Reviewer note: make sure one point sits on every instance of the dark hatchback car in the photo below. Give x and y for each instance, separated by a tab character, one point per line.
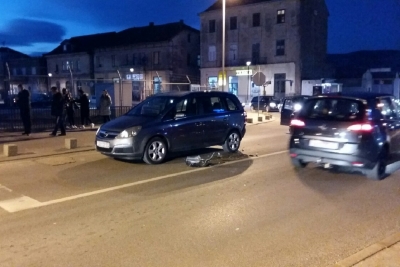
171	122
357	130
265	103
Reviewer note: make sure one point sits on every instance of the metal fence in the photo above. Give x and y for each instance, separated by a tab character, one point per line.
10	119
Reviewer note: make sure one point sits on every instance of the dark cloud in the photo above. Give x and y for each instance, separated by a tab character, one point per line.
26	32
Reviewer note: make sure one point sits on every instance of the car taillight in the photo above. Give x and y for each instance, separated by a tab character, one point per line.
360	127
296	122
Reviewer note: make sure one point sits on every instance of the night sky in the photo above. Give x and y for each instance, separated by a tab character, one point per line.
36	27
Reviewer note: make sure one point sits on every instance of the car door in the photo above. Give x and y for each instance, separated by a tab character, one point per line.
185	128
389	113
216	119
286	111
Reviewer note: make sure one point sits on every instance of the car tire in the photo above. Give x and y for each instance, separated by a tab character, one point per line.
232	142
299	164
155	151
378	172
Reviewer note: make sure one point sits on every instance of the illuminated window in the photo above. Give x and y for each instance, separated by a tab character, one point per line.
280	16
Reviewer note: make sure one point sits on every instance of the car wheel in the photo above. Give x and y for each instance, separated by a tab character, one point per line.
232	142
252	108
299	164
379	171
155	151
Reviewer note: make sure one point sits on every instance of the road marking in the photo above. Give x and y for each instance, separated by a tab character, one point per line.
24	202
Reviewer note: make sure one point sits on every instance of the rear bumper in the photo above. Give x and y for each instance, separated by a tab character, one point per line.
322	157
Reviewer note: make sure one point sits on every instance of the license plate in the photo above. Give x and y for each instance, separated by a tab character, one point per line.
103	144
323	144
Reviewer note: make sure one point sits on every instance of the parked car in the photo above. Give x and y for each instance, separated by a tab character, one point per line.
290	106
174	121
358	130
265	103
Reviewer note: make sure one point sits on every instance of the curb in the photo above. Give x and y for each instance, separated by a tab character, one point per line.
369	251
22	157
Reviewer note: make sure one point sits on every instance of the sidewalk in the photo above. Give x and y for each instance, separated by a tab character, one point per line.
41	144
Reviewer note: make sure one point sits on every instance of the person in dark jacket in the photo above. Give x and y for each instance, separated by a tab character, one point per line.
24	104
57	110
84	107
69	106
105	106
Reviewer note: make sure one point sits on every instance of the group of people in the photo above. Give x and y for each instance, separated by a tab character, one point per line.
63	107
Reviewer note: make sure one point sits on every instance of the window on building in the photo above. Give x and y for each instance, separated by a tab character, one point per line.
213	82
188	60
280	47
189	37
256	19
211	26
255	53
33	70
56	70
279	84
98	61
233	23
157	87
65	65
78	65
212	53
198	60
232	54
134	59
23	71
156	57
113	60
14	71
280	16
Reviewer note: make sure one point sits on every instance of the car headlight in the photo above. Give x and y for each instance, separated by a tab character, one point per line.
272	104
130	132
297	107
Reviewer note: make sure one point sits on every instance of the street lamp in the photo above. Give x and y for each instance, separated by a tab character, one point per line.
49	82
248	63
223	43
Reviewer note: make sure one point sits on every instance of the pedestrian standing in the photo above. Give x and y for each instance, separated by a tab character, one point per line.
84	107
69	107
24	104
58	111
105	106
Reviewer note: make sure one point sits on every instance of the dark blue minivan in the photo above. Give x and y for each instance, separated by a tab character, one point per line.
174	121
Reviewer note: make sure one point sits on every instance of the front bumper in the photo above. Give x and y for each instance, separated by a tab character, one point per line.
125	148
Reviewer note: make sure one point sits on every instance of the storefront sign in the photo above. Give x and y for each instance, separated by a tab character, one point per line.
244	72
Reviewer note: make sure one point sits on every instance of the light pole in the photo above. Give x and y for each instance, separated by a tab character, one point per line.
248	63
223	43
49	82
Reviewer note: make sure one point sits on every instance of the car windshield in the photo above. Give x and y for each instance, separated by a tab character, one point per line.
152	106
339	109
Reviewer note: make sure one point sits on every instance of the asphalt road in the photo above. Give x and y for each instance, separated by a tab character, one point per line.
251	209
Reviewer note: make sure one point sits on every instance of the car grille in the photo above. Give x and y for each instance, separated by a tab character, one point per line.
107	135
102	149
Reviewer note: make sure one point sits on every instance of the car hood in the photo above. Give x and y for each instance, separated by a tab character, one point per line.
124	122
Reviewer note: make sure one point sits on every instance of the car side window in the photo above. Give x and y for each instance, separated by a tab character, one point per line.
212	105
185	108
288	104
231	105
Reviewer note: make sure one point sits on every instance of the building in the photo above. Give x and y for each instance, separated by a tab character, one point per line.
151	58
18	68
71	64
144	60
285	40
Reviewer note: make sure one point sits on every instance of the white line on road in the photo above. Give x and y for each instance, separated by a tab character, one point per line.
24	202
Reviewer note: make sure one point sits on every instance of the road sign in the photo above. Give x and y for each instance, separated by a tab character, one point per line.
259	79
